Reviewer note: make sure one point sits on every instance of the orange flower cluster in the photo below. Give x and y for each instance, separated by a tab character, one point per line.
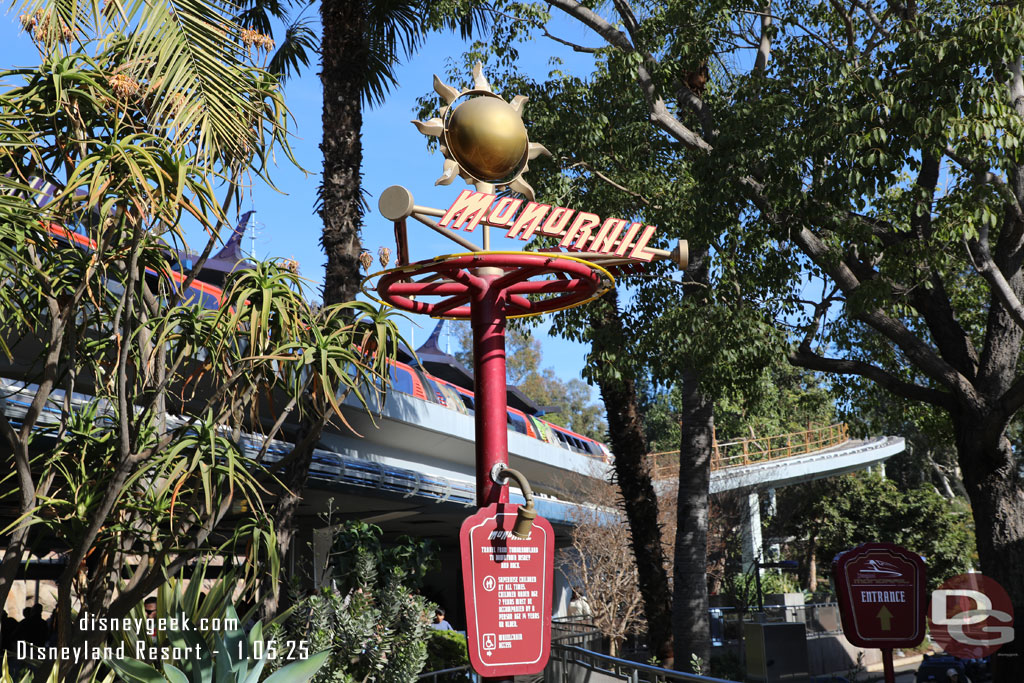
123	85
251	37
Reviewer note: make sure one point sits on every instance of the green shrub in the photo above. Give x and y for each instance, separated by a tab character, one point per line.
369	615
447	650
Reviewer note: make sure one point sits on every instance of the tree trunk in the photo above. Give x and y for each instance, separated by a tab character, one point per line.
629	444
343	68
812	564
286	509
690	627
946	489
992	479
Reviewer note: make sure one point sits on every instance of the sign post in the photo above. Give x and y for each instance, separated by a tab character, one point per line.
484	141
882	598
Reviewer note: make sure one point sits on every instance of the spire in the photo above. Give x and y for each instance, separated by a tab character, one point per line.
232	250
431	345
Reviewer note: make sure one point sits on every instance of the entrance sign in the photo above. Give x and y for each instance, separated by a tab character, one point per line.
882	600
508	585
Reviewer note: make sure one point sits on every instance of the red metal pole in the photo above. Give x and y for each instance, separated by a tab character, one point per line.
887	667
487	313
491	408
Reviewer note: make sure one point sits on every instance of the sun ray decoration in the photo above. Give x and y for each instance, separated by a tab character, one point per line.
482	136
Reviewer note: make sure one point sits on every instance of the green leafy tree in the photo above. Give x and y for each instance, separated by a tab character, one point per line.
837	514
523	370
779	400
872	149
368	613
447	650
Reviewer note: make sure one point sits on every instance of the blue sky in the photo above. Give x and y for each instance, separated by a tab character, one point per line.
395	153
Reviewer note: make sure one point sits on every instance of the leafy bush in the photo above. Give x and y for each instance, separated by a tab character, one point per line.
447	650
368	614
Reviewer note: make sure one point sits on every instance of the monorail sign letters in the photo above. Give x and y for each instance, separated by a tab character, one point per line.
508	586
578	231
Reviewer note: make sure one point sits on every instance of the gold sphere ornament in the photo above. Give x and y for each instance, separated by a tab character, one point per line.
488	139
483	138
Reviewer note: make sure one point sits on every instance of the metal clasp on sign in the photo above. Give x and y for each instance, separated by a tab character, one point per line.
524	518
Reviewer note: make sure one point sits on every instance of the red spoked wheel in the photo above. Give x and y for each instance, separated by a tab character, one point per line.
453	282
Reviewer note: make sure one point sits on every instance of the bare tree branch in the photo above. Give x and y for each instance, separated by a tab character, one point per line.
851	39
983	176
916	350
602	176
764	47
544	31
1013	399
805	358
931	363
981	258
659	112
873	18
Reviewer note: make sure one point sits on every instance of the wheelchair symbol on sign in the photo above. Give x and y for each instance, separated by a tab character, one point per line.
489	641
489	583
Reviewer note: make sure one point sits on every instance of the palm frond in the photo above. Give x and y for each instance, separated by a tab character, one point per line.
260	15
188	54
394	30
300	41
184	58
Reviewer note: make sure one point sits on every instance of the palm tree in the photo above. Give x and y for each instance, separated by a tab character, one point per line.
345	74
361	45
186	60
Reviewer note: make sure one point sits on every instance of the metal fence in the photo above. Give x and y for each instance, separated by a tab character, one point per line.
755	449
458	673
565	631
574	643
570	664
820	619
573	660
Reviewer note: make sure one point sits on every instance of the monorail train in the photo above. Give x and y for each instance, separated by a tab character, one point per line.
406	377
415	381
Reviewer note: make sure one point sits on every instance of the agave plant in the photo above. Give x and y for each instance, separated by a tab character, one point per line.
232	660
223	653
53	677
